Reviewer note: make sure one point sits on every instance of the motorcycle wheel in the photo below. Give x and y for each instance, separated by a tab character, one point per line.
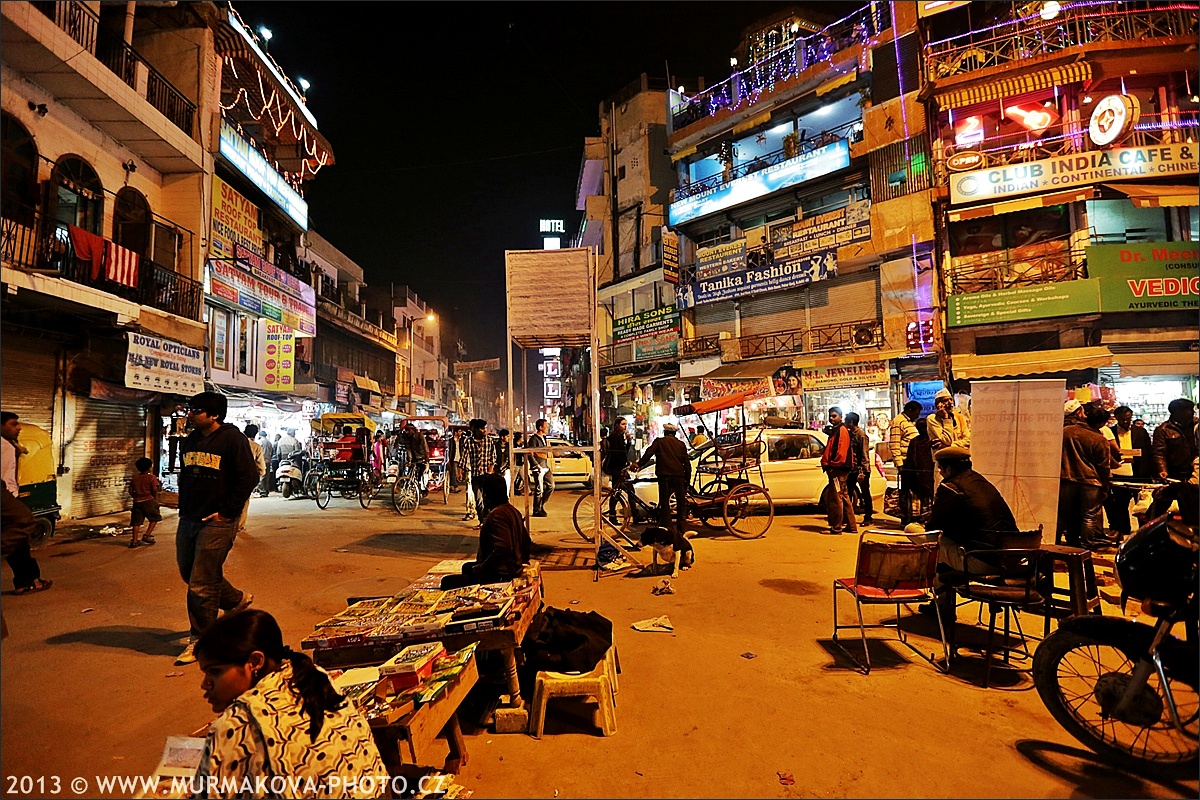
286	489
1080	679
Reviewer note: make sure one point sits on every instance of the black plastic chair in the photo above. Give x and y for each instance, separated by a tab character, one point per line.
1008	581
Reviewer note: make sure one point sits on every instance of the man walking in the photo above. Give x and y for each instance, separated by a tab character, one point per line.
218	475
1085	475
901	432
18	524
864	461
837	461
256	450
1139	468
540	479
479	456
268	453
673	469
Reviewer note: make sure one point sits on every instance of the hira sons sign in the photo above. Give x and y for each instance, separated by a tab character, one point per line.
1077	169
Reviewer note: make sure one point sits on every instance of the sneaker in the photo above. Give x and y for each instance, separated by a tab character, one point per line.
134	543
468	517
540	514
247	599
188	656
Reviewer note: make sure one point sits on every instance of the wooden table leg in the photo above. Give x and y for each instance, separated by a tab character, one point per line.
515	717
458	745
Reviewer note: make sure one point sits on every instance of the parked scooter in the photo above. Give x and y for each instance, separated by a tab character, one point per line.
289	478
1126	689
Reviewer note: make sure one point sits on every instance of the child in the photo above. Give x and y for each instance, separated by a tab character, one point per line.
145	488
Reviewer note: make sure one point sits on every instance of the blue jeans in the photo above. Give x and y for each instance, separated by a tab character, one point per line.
1080	517
200	552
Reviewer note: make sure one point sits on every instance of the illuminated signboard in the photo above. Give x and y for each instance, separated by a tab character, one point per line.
251	163
821	161
1112	118
551	226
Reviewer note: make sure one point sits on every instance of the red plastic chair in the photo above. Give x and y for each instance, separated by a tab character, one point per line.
891	570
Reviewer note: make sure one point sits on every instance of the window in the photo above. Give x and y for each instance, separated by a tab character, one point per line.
1019	229
131	221
246	345
220	338
78	195
793	446
1119	221
900	168
18	172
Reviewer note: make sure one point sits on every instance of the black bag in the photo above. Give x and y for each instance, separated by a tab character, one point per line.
562	640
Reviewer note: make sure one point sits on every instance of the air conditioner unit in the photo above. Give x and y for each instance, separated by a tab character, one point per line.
725	335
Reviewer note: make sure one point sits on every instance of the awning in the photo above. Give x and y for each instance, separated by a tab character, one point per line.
1152	365
1011	87
367	384
1037	201
370	409
763	368
1037	362
614	381
1154	196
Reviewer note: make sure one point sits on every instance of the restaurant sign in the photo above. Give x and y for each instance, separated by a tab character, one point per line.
670	256
1076	169
721	259
264	289
815	238
278	354
646	323
238	151
160	365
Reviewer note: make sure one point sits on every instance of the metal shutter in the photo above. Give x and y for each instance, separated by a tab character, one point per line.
29	367
109	437
778	311
712	318
848	298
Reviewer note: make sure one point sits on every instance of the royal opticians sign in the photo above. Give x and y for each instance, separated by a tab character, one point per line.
1062	172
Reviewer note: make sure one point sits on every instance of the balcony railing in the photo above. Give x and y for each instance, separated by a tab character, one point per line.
747	85
1051	261
851	131
30	242
700	346
1076	25
83	25
861	335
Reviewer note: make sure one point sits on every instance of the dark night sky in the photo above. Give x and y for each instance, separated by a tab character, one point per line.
457	126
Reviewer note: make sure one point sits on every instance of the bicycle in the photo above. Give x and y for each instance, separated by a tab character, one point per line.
622	516
406	492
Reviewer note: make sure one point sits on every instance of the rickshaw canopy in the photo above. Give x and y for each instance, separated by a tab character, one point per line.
37	465
714	404
333	423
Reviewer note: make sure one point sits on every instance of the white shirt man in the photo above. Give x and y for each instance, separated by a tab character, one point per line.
9	451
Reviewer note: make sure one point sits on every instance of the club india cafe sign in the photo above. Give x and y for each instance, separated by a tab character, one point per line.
1121	163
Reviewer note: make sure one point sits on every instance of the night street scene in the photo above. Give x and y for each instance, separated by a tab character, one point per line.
600	399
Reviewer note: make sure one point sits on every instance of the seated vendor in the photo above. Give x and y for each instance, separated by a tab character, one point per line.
971	515
504	542
281	721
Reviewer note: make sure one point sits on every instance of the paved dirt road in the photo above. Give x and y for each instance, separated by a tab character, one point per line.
88	686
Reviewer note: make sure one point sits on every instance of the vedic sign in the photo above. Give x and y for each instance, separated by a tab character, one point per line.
1121	163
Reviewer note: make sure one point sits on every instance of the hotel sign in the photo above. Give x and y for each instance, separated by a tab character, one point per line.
1060	172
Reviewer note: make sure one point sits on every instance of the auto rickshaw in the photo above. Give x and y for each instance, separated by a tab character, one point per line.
38	480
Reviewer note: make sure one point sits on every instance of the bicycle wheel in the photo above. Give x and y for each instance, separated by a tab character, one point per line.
748	511
584	514
311	480
322	493
405	496
366	488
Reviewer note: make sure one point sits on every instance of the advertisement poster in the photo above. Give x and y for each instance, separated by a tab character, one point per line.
220	340
721	259
265	290
1062	172
1042	301
278	348
823	233
662	345
670	256
160	365
1146	276
646	323
234	222
486	364
720	387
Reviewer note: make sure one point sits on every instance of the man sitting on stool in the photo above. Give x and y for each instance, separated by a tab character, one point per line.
972	515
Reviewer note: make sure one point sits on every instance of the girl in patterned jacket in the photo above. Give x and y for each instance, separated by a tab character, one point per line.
283	729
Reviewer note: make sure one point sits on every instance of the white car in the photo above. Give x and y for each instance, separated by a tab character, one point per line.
573	467
791	469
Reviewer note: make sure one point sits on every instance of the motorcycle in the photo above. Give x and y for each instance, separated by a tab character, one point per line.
290	475
1126	689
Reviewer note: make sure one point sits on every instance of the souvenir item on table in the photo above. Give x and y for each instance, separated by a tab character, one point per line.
411	665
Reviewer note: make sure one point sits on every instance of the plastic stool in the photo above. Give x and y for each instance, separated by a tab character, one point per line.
600	683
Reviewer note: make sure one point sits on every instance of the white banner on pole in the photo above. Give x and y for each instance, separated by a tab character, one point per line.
1016	443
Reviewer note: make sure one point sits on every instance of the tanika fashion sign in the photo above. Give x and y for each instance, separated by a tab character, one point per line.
1121	163
160	365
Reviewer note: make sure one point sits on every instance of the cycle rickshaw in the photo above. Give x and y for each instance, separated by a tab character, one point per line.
407	490
351	477
722	493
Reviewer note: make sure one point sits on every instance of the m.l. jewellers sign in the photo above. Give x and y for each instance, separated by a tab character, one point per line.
1121	163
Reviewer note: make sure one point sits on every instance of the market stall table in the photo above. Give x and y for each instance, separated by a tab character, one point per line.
496	616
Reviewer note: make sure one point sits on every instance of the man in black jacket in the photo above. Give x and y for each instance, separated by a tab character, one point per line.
218	475
673	469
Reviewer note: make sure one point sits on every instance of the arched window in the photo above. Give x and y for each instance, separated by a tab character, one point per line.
18	171
78	195
131	221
